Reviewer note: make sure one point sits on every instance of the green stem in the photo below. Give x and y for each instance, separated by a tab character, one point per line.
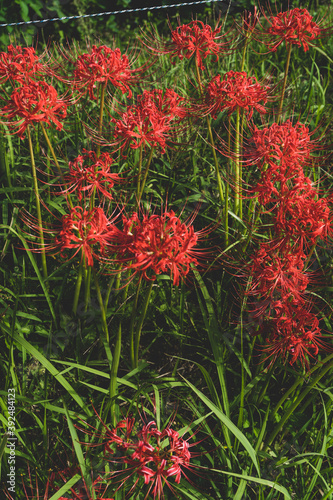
101	305
138	185
55	160
113	376
77	288
145	176
87	284
39	214
284	82
101	109
141	320
135	305
211	138
238	190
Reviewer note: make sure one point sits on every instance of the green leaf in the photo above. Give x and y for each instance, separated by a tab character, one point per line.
228	423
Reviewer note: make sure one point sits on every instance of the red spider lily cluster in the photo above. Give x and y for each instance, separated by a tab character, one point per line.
196	39
148	453
89	173
19	64
294	26
156	244
103	65
149	121
34	102
236	90
300	219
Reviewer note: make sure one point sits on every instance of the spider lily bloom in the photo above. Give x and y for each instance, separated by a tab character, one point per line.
80	230
19	64
278	274
85	231
235	91
195	39
284	148
104	65
295	27
149	121
303	216
148	453
89	172
156	244
32	103
294	335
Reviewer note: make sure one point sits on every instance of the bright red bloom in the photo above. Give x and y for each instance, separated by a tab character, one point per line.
302	215
196	39
149	121
236	91
295	335
88	173
284	148
294	26
278	274
32	103
19	64
149	453
84	230
156	244
104	65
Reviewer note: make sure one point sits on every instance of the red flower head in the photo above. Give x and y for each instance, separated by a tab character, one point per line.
34	102
284	148
149	453
295	335
278	274
104	65
84	230
149	121
196	39
88	173
303	216
294	26
156	244
236	90
19	64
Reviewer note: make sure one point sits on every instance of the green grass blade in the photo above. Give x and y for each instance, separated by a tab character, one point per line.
64	489
54	372
229	424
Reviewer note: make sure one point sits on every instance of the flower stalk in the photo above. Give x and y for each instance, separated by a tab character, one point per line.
39	215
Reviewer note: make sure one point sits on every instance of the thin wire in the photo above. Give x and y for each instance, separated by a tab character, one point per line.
126	11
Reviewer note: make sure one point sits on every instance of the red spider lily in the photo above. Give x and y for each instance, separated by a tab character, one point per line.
236	90
301	214
295	335
196	39
148	453
19	64
88	172
278	274
150	120
295	26
156	244
34	102
104	65
284	148
85	231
